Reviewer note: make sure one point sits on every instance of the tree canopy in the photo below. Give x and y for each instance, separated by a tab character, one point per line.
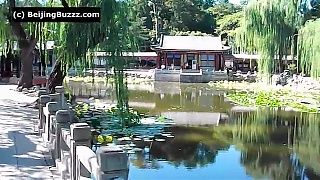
266	27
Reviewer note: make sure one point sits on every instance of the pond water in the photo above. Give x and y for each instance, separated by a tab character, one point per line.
216	140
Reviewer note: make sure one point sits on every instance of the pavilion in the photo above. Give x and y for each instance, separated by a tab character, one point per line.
190	52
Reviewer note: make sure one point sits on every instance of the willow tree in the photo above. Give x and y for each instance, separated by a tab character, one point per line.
75	43
268	28
309	46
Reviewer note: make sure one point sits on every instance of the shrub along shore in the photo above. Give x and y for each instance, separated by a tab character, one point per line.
299	97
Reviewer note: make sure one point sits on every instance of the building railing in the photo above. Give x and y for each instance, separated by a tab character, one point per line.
69	143
191	71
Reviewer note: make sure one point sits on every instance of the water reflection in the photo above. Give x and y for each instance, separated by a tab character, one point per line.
261	144
194	104
264	145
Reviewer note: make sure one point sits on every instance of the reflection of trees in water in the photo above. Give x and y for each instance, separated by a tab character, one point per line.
275	146
307	144
188	154
143	161
191	148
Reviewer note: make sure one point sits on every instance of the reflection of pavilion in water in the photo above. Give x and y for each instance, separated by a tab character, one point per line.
184	103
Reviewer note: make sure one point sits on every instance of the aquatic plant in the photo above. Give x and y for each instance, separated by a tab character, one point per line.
104	139
127	118
277	99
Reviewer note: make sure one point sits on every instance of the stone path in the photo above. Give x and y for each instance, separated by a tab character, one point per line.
22	154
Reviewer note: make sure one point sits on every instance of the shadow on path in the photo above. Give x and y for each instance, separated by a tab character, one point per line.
22	155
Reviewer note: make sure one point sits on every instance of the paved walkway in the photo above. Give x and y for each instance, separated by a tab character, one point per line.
22	155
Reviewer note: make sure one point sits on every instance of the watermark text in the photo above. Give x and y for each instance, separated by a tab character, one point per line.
32	14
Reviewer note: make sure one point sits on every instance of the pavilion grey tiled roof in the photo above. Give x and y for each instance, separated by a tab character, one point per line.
195	43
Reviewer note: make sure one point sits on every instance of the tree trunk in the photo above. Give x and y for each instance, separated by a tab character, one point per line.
26	72
56	76
26	45
26	63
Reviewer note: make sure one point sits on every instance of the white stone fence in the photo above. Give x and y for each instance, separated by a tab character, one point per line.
69	143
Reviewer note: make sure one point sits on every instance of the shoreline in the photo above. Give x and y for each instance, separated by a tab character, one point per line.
299	98
89	79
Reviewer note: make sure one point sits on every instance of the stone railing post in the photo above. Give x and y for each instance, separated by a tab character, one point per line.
43	100
62	120
43	88
56	98
40	93
52	109
113	162
80	135
60	90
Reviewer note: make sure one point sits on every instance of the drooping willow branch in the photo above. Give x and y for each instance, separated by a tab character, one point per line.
308	48
268	27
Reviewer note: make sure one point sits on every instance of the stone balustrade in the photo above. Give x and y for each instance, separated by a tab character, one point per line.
69	143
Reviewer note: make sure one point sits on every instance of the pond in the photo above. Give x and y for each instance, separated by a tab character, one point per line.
214	139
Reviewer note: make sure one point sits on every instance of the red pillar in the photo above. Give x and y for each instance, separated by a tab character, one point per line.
181	61
165	59
158	60
216	61
222	61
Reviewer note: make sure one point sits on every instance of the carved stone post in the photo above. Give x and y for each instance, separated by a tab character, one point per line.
113	163
62	119
52	109
40	93
60	90
56	98
80	135
43	100
44	88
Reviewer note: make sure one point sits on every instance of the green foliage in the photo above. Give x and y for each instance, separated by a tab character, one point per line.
130	117
292	68
127	118
269	99
104	139
309	45
179	18
229	23
268	27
